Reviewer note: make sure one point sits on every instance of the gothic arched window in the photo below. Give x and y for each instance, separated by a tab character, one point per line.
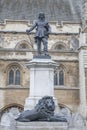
17	77
14	76
11	77
55	79
59	77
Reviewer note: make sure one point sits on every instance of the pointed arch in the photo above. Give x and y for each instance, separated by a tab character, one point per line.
63	67
14	107
11	105
60	75
14	72
61	106
14	64
59	46
24	44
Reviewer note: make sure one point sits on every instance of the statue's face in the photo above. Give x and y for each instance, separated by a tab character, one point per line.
41	16
50	104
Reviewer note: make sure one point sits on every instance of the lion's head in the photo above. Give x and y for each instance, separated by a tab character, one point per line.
46	104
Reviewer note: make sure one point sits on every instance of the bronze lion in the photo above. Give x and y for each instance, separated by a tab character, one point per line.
43	111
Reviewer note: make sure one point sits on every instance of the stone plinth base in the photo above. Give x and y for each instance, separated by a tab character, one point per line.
77	128
8	128
41	77
42	126
41	80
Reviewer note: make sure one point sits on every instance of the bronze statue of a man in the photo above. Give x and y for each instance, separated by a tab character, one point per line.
42	33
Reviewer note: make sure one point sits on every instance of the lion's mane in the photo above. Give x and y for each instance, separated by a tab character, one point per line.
46	106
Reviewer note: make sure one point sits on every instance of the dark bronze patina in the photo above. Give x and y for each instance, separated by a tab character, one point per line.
43	111
42	33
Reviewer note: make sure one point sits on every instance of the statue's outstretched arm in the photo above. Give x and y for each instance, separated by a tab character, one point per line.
28	31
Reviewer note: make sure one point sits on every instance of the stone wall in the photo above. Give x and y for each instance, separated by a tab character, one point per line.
68	97
12	36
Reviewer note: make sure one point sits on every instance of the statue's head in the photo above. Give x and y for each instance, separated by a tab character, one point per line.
46	103
41	15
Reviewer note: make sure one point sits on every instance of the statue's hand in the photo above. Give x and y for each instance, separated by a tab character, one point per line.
27	31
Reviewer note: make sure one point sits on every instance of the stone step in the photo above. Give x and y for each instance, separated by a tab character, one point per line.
42	126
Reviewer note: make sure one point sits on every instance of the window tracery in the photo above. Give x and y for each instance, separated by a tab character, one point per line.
14	75
59	77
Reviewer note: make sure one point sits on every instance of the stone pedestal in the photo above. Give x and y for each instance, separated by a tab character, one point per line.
41	80
42	126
